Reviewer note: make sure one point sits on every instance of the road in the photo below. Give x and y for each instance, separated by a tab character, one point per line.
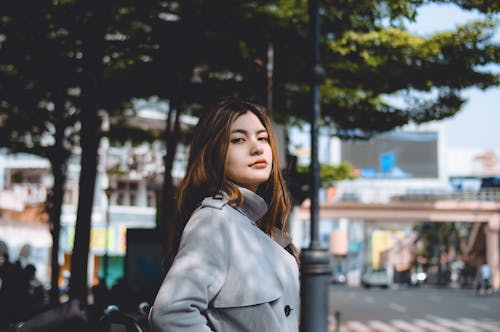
413	310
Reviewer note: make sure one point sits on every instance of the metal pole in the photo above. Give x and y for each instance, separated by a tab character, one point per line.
105	259
105	124
315	260
317	74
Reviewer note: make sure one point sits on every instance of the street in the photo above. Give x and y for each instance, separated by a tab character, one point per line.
413	310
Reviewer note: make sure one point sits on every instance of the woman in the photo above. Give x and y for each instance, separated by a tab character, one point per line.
235	268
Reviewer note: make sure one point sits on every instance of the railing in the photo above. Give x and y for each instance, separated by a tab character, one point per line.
484	195
378	195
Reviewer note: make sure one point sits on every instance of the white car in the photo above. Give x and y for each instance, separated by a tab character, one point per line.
375	278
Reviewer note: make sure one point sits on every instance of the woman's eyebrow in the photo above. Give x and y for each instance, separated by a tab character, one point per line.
242	131
245	132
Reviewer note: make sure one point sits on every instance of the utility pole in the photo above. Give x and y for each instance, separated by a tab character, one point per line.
109	192
315	260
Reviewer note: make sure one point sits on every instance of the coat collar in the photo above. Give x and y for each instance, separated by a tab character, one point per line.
253	206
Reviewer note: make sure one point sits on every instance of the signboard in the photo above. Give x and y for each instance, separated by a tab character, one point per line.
143	262
394	155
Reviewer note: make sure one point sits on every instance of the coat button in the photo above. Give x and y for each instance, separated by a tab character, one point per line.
287	310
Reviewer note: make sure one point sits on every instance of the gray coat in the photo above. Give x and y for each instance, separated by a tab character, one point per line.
228	274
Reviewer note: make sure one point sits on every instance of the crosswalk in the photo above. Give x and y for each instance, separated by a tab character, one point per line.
428	324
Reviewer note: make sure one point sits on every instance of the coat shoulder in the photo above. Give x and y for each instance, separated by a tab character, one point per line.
216	202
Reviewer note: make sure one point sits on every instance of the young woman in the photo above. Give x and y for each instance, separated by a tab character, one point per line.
234	267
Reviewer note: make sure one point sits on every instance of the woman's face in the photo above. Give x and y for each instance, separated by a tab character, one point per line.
249	157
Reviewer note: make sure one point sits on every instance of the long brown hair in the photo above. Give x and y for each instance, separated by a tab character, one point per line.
205	173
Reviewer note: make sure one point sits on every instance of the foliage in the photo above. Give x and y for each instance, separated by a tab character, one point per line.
330	174
38	78
369	58
488	6
194	52
437	237
39	103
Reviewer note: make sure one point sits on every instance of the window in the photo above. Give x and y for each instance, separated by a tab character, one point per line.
120	199
151	199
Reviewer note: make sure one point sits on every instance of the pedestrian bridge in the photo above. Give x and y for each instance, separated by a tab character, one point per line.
481	209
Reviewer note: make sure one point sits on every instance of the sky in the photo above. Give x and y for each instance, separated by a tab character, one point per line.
477	125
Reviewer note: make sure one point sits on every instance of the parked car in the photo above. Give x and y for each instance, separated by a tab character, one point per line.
375	278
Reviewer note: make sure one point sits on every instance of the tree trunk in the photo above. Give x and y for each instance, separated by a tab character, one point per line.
93	51
167	227
58	161
59	173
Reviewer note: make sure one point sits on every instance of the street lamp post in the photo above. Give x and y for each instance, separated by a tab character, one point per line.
315	260
105	260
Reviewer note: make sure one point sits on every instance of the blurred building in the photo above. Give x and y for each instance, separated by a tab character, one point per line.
133	175
23	192
399	168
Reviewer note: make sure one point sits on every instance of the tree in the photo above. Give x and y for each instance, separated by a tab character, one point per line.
49	70
93	40
369	58
438	238
38	105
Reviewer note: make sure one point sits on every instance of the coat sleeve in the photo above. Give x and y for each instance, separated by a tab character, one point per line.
196	275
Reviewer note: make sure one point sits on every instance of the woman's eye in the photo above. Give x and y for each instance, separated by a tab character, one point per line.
264	139
237	140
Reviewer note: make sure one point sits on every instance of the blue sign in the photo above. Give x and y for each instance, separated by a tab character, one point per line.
387	162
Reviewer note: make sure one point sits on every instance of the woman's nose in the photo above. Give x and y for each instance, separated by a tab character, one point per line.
256	148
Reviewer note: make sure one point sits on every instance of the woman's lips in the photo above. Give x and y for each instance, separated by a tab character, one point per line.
259	164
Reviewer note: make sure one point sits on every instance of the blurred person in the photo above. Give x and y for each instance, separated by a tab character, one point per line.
122	295
11	291
36	289
32	295
4	249
231	266
7	275
101	295
483	280
5	264
24	259
21	293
